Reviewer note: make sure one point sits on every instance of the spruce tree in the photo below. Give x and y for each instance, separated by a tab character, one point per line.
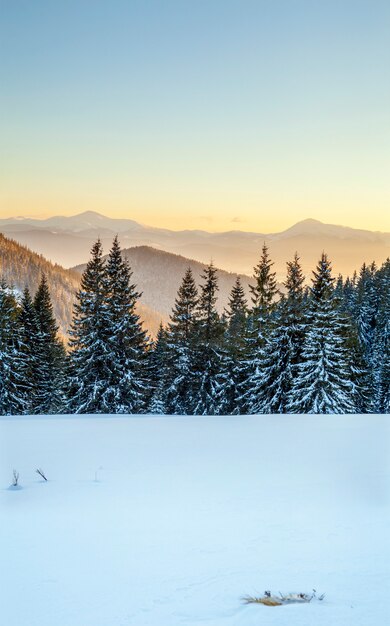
126	388
91	355
381	342
30	351
264	290
157	372
360	372
180	380
12	383
207	365
322	383
282	353
366	308
260	323
234	355
184	312
50	356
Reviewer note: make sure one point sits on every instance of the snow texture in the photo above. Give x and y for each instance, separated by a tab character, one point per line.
161	521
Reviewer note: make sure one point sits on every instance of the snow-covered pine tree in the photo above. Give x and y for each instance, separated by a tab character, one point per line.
208	355
260	320
12	383
30	350
296	309
283	345
50	356
157	402
265	288
234	352
361	374
349	295
366	309
91	355
381	342
126	390
157	372
322	384
359	371
179	396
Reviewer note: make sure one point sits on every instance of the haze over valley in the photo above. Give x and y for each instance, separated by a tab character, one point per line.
67	241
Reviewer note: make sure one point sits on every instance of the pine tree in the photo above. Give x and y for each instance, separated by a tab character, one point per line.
264	290
366	308
260	323
126	387
91	356
381	342
234	354
283	346
157	372
208	371
360	373
108	368
30	350
12	389
184	312
322	384
179	396
50	356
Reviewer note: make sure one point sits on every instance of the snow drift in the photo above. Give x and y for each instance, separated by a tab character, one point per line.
161	521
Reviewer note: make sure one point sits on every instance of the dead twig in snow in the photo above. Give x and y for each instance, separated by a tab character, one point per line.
41	473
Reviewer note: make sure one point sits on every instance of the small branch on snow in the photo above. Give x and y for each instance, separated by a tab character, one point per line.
41	473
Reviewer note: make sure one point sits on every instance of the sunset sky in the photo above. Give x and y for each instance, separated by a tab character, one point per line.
211	114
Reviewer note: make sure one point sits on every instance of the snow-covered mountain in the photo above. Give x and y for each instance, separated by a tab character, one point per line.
67	240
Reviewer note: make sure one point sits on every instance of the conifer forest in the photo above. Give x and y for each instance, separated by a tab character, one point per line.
319	346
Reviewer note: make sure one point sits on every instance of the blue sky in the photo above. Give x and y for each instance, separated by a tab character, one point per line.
197	114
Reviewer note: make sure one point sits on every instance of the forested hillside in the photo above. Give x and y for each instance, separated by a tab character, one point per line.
20	268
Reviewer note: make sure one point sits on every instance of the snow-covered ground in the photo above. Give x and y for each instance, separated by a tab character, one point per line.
160	521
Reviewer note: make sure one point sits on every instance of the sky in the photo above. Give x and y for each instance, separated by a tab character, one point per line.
212	114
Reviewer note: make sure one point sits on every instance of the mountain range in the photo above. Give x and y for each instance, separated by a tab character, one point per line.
67	240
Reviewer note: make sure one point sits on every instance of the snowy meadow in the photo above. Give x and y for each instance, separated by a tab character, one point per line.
161	521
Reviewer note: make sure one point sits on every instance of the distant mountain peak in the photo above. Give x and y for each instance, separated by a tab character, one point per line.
90	214
308	220
306	226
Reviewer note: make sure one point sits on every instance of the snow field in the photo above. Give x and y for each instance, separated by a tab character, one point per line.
161	521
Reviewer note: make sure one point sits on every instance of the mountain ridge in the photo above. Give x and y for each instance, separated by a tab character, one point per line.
96	216
68	239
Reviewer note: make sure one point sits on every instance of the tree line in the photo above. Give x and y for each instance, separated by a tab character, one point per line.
323	348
